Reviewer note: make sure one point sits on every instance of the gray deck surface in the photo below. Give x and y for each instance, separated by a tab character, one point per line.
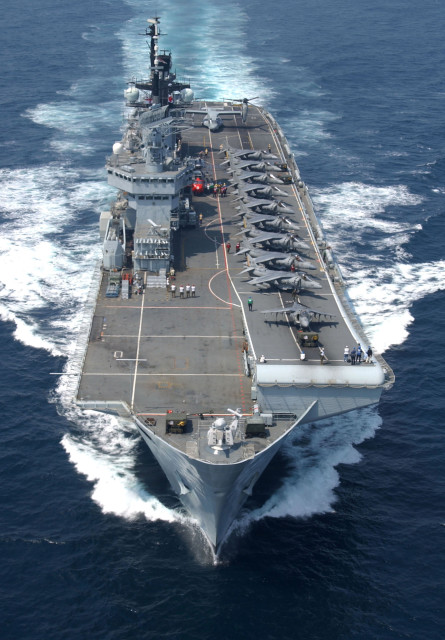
157	353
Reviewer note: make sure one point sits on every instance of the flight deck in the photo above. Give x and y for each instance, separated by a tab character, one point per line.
159	351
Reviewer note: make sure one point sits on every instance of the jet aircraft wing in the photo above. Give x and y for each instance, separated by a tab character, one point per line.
253	186
258	202
253	218
245	175
270	255
270	277
263	237
245	163
297	307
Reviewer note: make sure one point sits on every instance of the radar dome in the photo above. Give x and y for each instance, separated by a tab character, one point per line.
187	95
219	423
131	94
117	148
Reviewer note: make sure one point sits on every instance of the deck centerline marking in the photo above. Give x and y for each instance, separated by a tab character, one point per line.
167	335
138	348
171	375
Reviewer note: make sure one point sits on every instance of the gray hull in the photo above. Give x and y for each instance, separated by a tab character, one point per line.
181	339
213	494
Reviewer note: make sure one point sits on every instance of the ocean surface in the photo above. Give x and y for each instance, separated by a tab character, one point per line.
345	534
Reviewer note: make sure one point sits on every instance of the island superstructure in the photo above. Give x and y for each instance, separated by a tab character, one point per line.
221	316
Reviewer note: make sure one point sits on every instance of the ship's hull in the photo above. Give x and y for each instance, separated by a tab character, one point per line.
212	493
182	366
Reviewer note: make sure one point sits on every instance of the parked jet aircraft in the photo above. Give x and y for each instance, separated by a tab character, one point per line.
301	314
271	222
285	280
248	175
249	163
282	240
280	258
244	175
266	205
237	154
257	190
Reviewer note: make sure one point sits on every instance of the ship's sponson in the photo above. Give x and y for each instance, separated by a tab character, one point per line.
353	376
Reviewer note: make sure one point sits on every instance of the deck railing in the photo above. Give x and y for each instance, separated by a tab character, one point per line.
80	350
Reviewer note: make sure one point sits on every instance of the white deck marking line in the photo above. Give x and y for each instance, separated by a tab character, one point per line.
138	344
239	136
221	226
228	270
263	293
214	375
289	325
213	239
113	335
231	304
167	308
298	360
226	263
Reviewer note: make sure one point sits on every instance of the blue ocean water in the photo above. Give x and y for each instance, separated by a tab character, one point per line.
345	535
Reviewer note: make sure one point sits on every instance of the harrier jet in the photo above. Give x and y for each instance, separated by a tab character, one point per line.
258	190
282	240
301	314
274	222
279	258
248	153
286	280
267	205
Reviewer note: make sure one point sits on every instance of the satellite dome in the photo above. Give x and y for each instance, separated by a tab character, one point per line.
219	423
187	95
131	94
117	148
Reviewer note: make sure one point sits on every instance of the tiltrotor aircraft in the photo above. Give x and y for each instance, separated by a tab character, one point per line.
212	117
244	105
300	314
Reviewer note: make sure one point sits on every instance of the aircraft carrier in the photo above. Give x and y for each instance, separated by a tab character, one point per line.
221	318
